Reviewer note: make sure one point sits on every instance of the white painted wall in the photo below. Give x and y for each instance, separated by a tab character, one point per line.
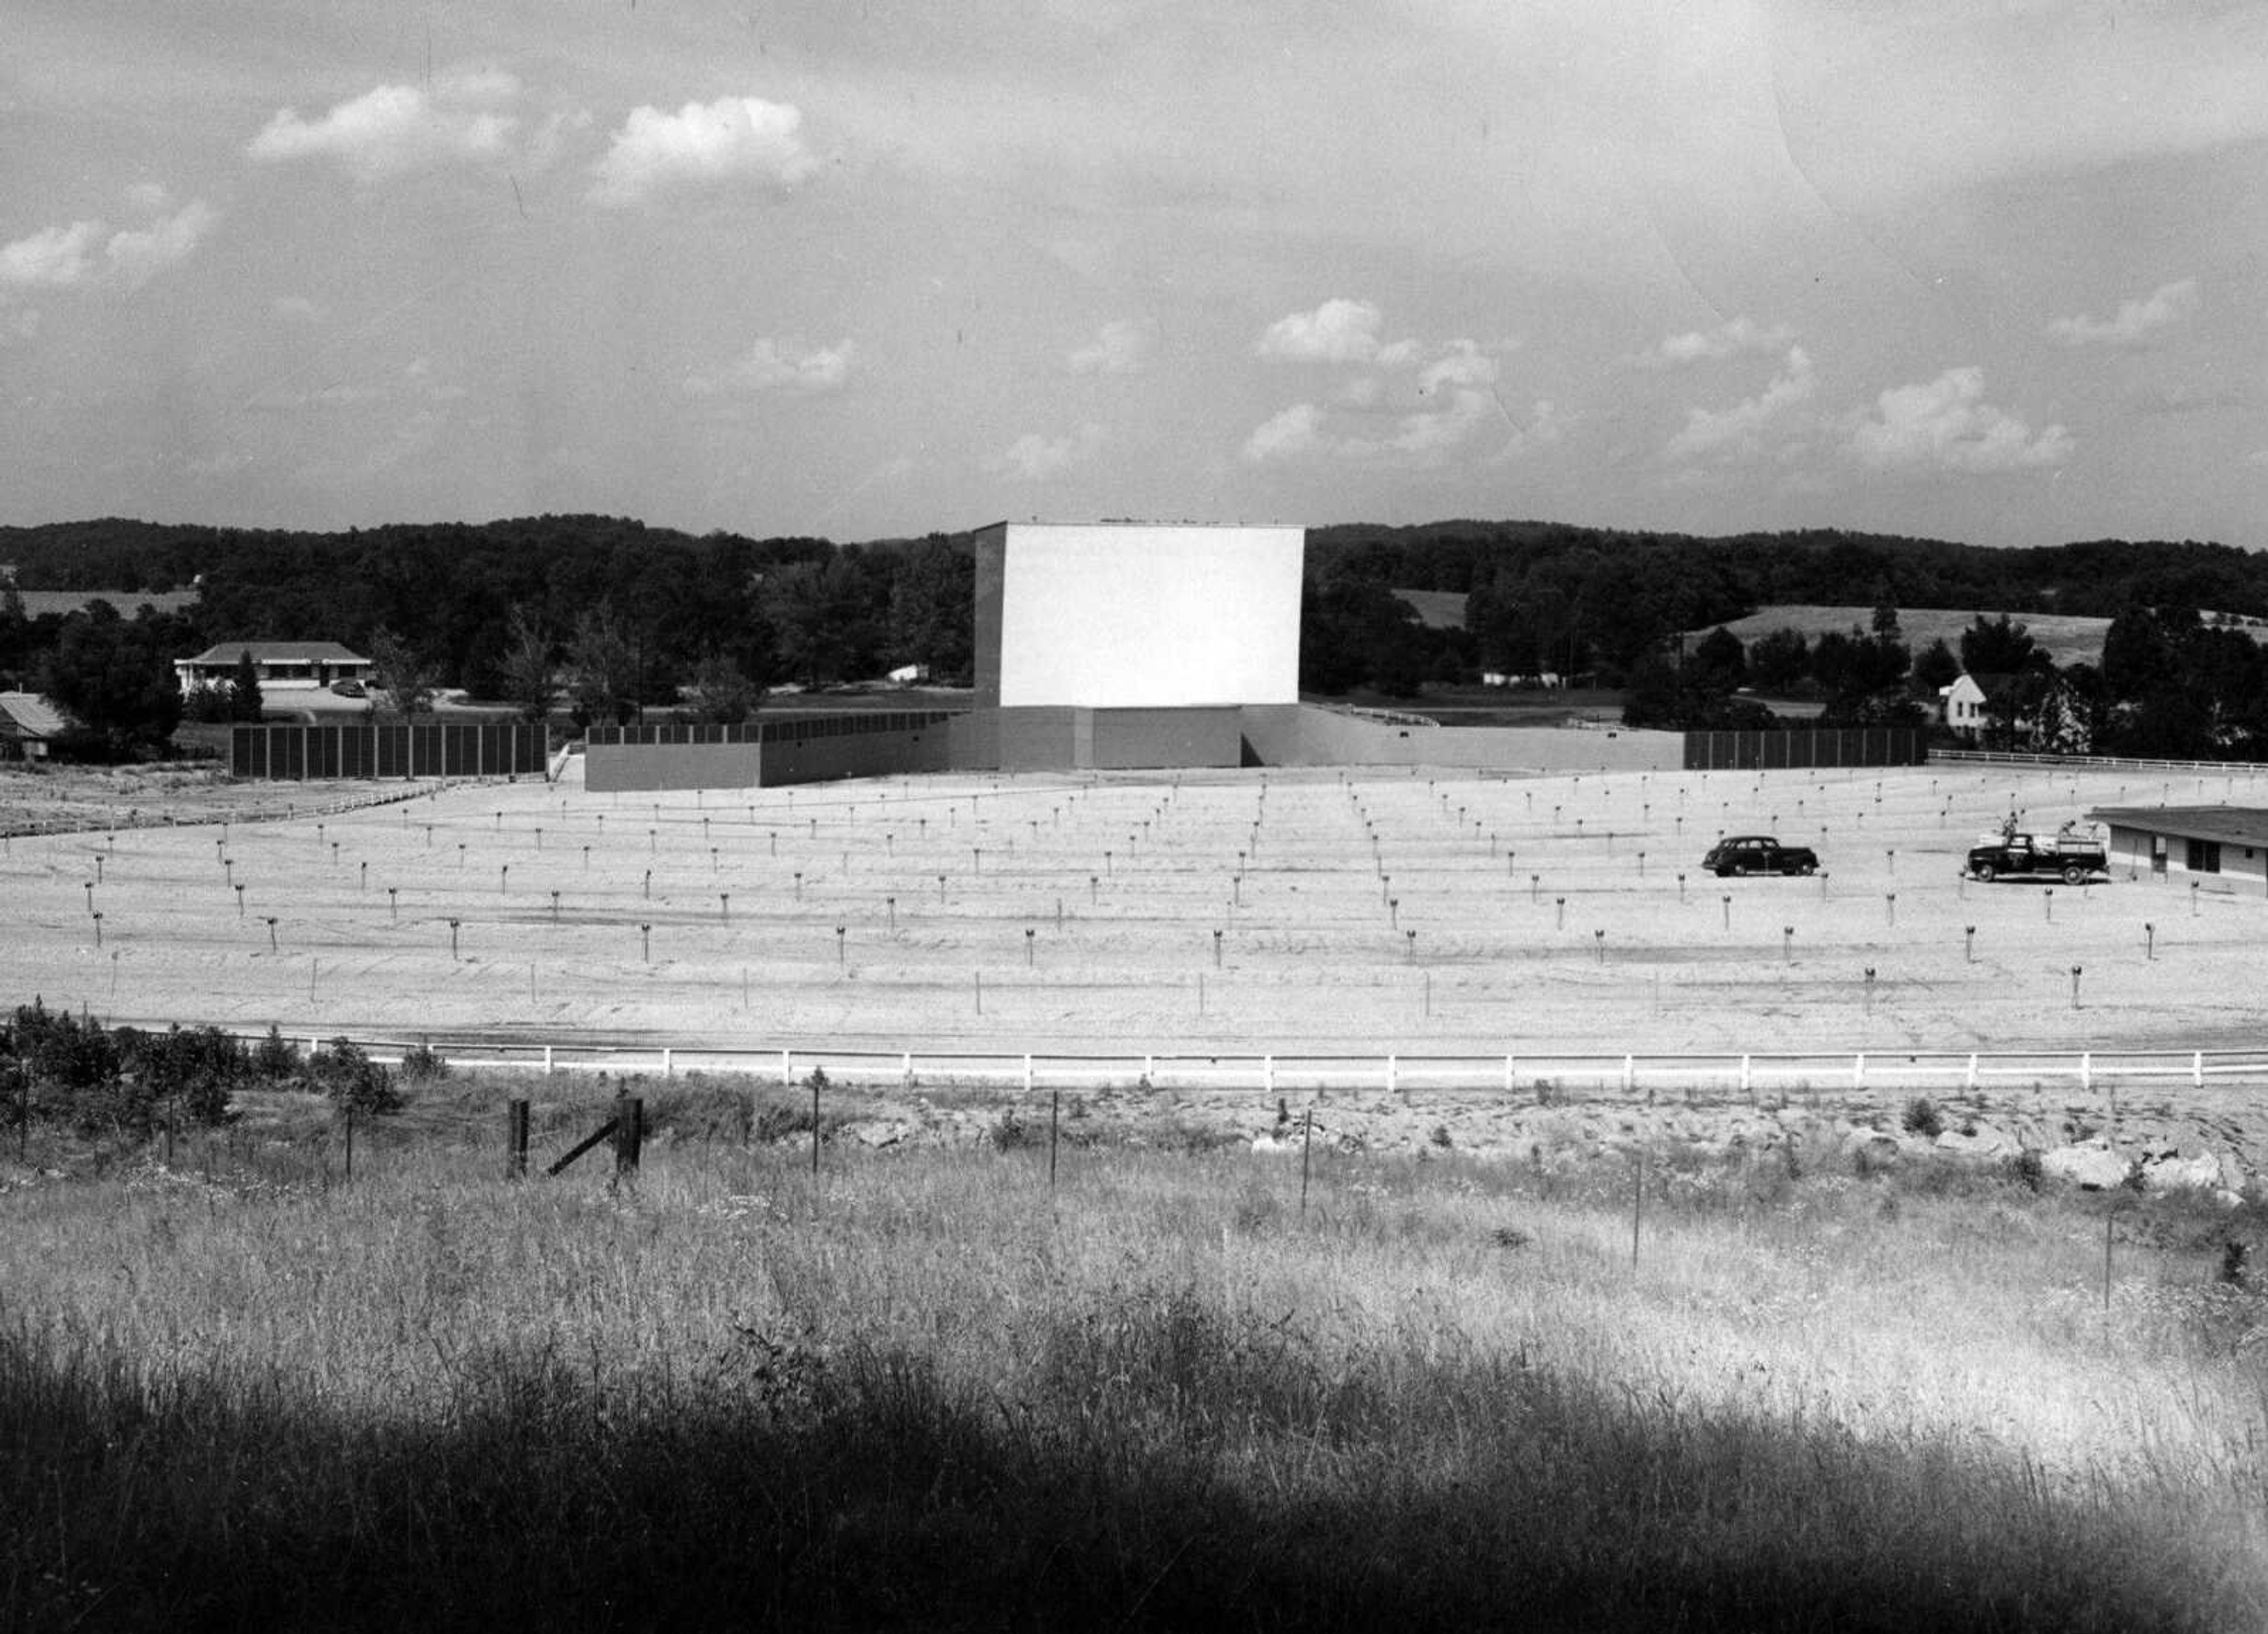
1112	615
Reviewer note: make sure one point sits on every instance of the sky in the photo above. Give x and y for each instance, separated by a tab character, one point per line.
1987	271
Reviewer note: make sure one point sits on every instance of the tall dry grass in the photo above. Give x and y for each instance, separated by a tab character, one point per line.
924	1390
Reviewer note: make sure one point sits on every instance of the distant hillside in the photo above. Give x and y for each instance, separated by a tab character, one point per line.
2065	637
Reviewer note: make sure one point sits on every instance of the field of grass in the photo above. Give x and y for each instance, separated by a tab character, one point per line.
930	1390
2068	638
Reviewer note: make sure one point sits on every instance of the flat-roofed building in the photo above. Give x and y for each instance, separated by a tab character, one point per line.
2227	844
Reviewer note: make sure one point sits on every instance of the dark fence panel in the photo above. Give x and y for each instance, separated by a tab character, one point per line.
390	749
792	729
1825	747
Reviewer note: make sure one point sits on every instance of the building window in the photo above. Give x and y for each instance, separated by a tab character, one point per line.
2205	856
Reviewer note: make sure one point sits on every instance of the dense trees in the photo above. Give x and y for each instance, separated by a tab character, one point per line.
115	679
623	617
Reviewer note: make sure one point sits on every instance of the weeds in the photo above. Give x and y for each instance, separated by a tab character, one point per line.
914	1395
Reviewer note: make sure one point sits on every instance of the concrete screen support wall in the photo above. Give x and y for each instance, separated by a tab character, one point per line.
1120	616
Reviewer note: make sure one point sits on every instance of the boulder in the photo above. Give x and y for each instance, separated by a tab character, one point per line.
2091	1164
2179	1173
1980	1143
1868	1148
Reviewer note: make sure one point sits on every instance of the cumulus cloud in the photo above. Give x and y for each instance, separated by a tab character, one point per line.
1448	409
1284	435
1457	393
731	139
1736	337
55	258
1033	458
1946	423
774	366
1337	331
396	129
2134	322
61	257
1735	429
138	254
1453	400
1122	346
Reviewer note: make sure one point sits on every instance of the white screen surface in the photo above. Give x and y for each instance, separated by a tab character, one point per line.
1117	615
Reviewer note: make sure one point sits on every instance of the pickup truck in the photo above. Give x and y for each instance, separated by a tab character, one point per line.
1759	853
2070	858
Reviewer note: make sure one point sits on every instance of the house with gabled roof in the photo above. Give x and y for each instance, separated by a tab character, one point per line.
29	724
281	665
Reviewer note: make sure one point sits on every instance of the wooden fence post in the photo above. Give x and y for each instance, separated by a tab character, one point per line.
630	1135
515	1162
1306	1150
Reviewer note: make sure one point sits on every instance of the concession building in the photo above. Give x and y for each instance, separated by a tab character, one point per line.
2226	844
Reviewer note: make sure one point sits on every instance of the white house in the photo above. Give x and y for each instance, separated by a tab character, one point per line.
281	665
1962	705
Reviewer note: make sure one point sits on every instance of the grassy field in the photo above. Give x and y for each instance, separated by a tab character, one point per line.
931	1390
2068	638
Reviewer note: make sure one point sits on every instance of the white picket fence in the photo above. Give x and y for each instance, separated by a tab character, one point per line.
1948	1072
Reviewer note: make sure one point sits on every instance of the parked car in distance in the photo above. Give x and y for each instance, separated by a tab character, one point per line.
1759	853
2071	858
350	689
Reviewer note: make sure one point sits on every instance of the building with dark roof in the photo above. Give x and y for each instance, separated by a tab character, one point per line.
2224	844
28	723
289	665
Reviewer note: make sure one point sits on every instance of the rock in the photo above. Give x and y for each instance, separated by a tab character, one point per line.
2178	1174
2091	1164
1868	1148
876	1132
1980	1143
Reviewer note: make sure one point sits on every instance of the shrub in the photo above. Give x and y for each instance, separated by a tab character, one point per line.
60	1052
273	1059
1923	1118
1009	1131
341	1070
197	1069
72	1069
421	1063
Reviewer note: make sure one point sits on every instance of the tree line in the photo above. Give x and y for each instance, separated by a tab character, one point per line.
2172	684
604	616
